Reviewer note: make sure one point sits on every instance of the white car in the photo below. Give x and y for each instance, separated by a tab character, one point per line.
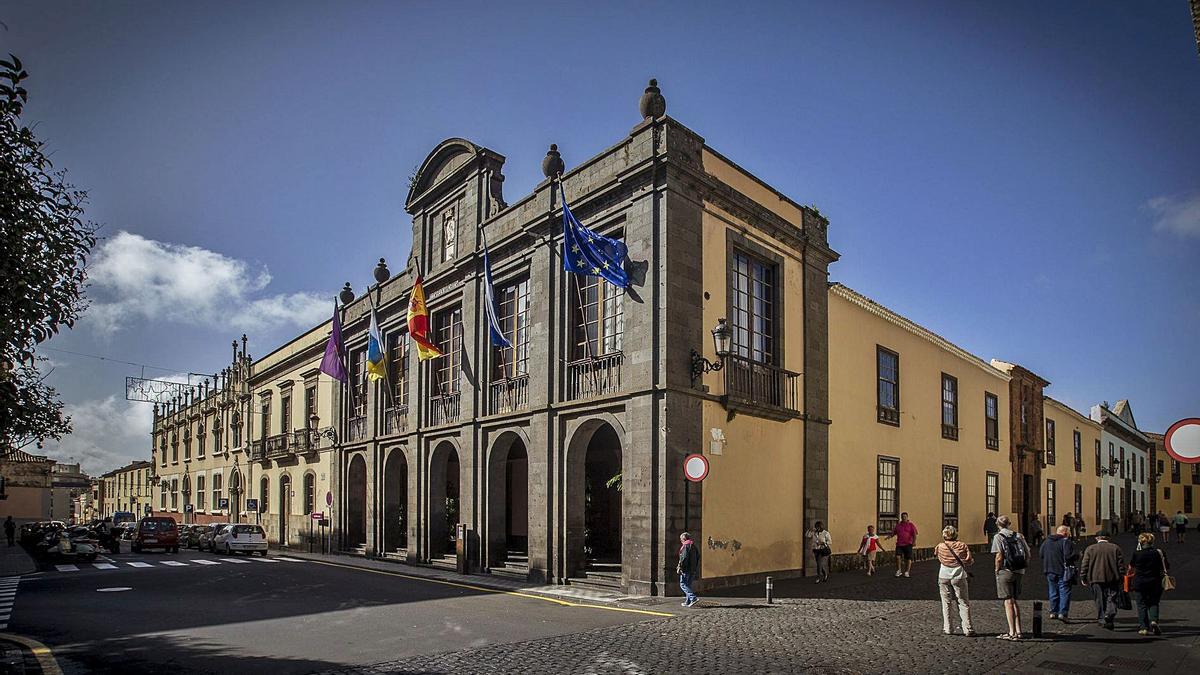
241	539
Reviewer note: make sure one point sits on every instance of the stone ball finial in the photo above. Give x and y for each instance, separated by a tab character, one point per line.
347	294
382	273
652	103
552	163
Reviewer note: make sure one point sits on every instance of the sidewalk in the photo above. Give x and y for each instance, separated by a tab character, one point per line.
15	561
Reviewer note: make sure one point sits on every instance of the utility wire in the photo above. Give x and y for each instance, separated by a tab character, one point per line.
112	360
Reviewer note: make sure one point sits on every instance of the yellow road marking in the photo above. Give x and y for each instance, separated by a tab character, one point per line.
498	591
45	657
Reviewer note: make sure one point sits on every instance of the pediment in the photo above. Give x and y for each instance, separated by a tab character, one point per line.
448	158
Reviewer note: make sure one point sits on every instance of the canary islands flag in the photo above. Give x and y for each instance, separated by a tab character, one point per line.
585	252
376	365
418	323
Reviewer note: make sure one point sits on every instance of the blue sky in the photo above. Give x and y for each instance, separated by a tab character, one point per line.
1022	179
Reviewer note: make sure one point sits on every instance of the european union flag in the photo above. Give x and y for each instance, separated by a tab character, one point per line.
585	252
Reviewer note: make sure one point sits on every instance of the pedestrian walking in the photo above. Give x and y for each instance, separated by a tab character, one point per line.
1036	533
1012	557
989	526
1080	528
1181	523
821	544
1164	527
869	548
1101	569
1058	564
688	568
10	529
1149	567
1114	525
1069	522
906	538
953	578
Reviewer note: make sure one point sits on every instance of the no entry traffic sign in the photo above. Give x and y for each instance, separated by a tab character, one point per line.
1182	440
695	467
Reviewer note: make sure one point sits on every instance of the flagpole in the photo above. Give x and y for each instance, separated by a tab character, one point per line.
387	380
510	373
437	381
587	340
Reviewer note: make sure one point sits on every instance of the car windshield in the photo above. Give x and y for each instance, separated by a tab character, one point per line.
247	529
157	525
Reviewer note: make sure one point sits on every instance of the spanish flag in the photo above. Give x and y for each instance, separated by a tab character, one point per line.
418	324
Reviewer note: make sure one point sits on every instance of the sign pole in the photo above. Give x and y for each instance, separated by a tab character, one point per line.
687	494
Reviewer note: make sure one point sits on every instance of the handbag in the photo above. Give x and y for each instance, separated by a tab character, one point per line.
1124	601
970	574
1168	581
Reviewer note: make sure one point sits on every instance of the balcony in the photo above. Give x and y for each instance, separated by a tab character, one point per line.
395	420
279	446
445	409
888	415
257	451
760	388
949	432
356	428
305	440
594	376
508	395
993	443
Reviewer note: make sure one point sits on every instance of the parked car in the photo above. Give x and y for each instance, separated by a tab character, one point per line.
207	537
156	532
195	535
241	538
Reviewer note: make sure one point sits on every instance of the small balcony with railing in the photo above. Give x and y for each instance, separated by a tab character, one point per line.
258	451
761	388
356	428
305	441
395	420
279	446
949	432
445	408
508	395
594	376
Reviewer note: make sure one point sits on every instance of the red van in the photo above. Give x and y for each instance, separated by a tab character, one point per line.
156	532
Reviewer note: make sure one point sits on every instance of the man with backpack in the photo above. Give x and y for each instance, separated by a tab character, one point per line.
1012	557
1101	569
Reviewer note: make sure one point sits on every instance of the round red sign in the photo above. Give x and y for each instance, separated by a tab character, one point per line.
695	467
1182	440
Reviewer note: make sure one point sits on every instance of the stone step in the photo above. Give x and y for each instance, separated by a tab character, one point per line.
599	581
520	572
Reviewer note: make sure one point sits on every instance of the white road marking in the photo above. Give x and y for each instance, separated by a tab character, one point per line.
235	561
204	562
139	564
114	589
104	566
279	557
174	563
266	560
66	568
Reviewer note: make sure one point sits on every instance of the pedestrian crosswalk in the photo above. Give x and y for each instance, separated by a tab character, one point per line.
8	595
112	564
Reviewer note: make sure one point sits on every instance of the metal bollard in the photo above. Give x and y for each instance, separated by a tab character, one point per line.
1037	619
770	589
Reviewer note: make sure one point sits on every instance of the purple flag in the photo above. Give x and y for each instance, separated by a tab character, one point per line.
331	365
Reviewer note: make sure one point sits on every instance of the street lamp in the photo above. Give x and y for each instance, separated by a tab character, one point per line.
721	338
327	433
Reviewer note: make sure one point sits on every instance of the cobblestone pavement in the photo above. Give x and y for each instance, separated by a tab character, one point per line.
898	630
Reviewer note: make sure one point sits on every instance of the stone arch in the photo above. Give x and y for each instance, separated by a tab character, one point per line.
508	513
395	500
356	501
309	496
595	528
445	497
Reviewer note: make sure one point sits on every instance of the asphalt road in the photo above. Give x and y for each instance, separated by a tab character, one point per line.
244	615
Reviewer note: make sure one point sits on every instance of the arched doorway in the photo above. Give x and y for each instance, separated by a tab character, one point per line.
356	507
508	502
395	502
594	495
444	503
285	508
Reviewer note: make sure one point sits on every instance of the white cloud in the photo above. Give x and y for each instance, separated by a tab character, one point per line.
133	278
1177	215
108	433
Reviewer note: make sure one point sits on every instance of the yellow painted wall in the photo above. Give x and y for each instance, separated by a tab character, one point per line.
1067	421
753	496
857	438
1171	495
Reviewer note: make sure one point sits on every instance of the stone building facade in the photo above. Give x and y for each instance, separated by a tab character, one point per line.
128	489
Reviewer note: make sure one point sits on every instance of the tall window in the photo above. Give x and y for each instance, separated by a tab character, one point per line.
992	493
310	404
950	496
949	407
449	234
265	418
264	493
175	448
1112	500
600	324
1077	450
888	394
1098	458
285	413
166	487
1112	456
753	296
1099	501
1187	499
174	494
1051	504
162	450
201	438
201	494
1122	459
397	369
187	444
358	383
1196	474
887	499
1078	513
1175	477
310	492
512	309
235	430
1142	468
216	491
447	333
1051	446
991	421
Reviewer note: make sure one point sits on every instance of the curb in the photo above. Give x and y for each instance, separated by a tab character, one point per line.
47	664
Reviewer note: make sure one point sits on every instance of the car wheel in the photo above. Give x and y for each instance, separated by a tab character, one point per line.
264	554
135	548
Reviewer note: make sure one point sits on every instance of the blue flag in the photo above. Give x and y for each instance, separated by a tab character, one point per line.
489	295
585	252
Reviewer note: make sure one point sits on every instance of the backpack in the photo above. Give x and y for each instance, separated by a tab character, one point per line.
1014	553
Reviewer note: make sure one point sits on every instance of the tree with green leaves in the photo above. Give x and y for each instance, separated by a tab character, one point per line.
44	245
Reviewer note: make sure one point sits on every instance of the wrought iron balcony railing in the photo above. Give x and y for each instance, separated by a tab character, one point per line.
257	451
395	420
594	376
761	387
356	428
508	395
445	408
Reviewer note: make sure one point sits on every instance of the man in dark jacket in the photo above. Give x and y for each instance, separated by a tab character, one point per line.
1058	554
688	568
1101	569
